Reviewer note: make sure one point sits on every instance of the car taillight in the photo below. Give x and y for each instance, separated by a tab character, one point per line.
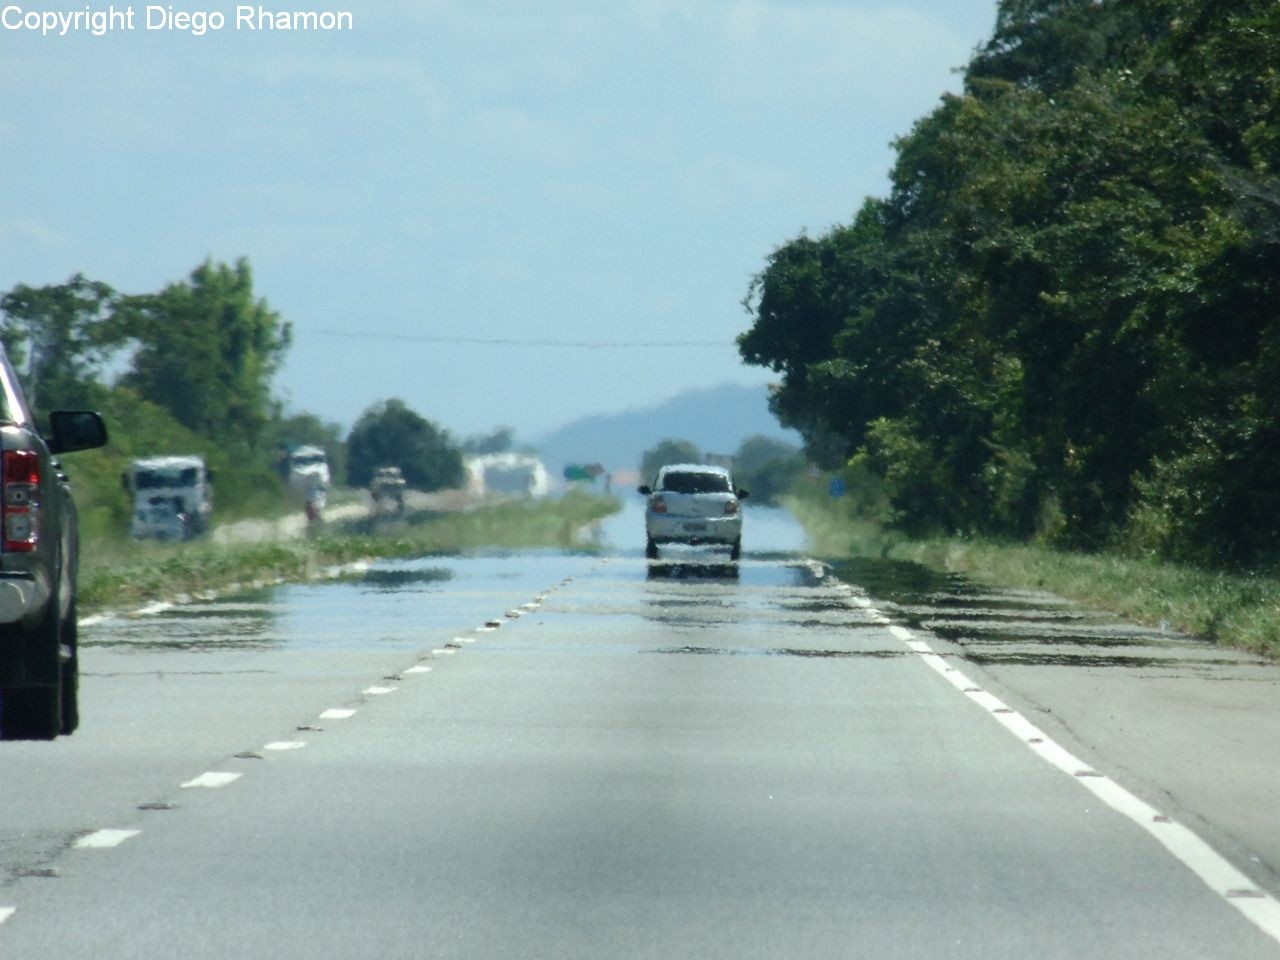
20	507
731	508
658	505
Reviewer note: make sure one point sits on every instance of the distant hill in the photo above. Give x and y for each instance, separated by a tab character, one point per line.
717	419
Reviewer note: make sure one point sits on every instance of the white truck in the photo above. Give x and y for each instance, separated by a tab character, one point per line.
308	470
172	497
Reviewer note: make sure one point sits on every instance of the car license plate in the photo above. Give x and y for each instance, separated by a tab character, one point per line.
695	528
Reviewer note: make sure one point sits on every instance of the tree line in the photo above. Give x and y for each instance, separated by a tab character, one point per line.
1062	321
190	369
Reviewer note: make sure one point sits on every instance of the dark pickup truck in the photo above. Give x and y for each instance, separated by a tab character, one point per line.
39	673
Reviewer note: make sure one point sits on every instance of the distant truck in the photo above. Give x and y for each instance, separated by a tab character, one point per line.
172	497
387	488
308	470
507	474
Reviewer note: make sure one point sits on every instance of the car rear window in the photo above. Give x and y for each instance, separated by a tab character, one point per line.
695	483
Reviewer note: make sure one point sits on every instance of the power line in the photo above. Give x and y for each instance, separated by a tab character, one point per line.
510	342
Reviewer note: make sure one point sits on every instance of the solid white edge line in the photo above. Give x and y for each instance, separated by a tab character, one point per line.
1186	846
6	913
104	839
213	779
337	713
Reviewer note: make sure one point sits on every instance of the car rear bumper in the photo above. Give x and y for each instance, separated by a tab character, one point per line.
668	528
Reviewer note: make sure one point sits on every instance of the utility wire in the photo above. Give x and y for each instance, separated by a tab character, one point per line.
502	342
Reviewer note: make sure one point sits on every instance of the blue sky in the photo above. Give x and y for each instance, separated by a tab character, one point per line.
567	170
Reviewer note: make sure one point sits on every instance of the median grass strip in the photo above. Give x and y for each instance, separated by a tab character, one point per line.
125	573
1240	610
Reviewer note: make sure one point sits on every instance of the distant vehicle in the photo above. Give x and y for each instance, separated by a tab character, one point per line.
695	504
387	488
507	474
39	560
308	469
172	497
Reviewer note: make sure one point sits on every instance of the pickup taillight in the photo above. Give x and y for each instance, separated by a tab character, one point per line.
20	507
731	508
658	505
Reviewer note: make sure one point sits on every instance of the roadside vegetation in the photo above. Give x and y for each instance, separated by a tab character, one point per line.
764	466
1239	610
189	369
1051	354
121	573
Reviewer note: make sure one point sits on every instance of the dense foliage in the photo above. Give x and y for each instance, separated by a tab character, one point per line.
1063	321
389	434
189	369
764	466
667	452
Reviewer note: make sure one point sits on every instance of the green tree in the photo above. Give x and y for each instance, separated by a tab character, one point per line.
767	467
389	434
667	452
501	440
58	338
207	350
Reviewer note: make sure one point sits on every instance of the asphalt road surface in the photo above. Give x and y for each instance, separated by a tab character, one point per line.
553	755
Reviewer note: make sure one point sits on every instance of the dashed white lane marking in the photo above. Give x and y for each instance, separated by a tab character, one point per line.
6	913
285	745
1184	844
379	691
213	779
420	668
442	651
104	839
151	609
337	713
464	639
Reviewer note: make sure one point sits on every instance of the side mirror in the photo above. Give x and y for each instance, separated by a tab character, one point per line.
646	490
76	430
741	494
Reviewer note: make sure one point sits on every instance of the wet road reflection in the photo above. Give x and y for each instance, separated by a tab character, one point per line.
1025	627
392	604
689	592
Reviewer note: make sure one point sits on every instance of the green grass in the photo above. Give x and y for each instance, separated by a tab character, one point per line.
1233	609
125	573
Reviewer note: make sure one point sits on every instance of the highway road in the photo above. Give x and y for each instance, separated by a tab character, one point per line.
570	755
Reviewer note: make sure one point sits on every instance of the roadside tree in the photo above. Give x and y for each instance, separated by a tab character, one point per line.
667	451
389	434
58	338
207	350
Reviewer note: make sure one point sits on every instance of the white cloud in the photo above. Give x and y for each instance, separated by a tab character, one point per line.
30	232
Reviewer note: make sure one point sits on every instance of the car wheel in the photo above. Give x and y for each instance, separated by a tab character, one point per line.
70	674
34	712
650	549
735	551
30	713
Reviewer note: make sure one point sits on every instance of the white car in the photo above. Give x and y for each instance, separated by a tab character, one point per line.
695	504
